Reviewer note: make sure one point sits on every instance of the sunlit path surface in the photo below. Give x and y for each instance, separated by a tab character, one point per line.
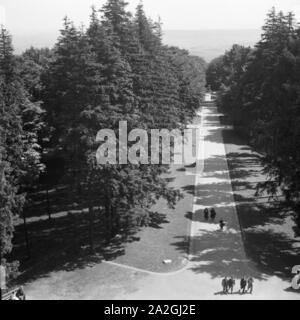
219	253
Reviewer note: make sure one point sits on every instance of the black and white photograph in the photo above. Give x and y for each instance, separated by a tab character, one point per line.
150	151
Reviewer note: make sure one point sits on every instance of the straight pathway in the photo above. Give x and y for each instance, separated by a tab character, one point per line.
213	254
219	253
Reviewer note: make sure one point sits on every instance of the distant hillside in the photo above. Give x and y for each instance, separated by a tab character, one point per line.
204	43
210	44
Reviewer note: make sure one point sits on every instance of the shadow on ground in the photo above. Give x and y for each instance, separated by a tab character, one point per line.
62	244
269	239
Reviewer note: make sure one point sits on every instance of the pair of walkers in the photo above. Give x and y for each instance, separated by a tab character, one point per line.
246	286
212	214
228	285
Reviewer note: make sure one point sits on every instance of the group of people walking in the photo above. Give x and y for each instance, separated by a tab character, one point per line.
246	285
212	214
228	284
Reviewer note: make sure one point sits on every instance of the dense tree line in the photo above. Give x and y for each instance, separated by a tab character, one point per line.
53	103
20	152
260	89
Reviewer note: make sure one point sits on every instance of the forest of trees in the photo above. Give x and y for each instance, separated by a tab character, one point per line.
260	90
54	101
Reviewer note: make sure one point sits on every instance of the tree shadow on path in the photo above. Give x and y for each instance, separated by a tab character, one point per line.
268	232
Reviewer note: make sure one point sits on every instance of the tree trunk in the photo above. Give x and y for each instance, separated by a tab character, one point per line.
118	220
108	215
91	228
298	219
78	186
26	236
297	211
48	205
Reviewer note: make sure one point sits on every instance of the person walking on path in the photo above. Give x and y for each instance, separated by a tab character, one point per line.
225	285
213	214
206	214
231	284
250	285
243	285
222	225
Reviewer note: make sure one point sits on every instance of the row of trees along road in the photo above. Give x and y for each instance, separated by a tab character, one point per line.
260	89
54	101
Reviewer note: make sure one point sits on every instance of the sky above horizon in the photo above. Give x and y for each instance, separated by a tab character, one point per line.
45	16
37	22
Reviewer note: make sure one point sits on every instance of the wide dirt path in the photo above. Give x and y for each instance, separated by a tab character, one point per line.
213	254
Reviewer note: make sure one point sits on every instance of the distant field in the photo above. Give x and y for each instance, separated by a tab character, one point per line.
210	44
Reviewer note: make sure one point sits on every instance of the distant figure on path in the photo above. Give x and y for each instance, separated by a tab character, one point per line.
213	214
243	285
206	214
222	225
225	285
250	285
231	284
21	294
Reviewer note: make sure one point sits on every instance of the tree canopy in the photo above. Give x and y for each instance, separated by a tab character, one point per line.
54	102
260	89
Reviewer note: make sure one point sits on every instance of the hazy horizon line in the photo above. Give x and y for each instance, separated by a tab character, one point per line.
187	30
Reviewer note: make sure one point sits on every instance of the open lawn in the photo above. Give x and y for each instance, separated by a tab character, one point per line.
168	235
